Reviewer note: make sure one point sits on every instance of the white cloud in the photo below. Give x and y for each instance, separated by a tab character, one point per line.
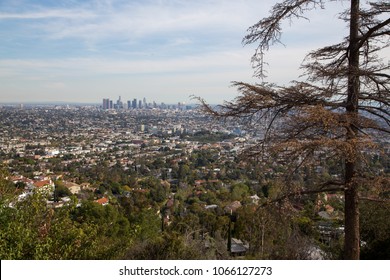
132	20
49	14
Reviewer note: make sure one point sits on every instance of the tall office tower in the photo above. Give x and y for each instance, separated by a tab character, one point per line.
144	103
119	104
140	104
134	104
111	106
106	103
128	104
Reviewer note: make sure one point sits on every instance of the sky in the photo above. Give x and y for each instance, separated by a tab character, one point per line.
163	50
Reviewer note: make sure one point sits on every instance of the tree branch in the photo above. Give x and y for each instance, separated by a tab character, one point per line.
303	192
371	32
374	199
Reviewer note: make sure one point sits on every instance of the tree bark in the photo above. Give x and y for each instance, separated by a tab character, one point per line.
352	229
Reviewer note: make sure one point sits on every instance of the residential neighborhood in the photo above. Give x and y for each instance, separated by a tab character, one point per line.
169	170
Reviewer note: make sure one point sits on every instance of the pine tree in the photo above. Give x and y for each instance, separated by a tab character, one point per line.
337	112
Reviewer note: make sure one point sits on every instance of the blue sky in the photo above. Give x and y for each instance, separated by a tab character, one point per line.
84	51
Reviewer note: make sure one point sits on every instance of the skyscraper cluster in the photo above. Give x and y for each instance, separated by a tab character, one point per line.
109	104
138	104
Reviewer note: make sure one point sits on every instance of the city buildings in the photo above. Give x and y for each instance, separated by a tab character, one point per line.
140	104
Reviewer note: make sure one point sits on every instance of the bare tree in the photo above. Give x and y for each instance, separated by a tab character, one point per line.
338	110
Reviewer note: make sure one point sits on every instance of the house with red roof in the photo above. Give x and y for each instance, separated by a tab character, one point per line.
44	185
102	201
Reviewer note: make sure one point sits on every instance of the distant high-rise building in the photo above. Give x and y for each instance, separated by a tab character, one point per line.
134	103
119	104
140	104
106	103
111	106
129	104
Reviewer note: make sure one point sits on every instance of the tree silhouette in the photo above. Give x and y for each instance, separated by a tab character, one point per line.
337	112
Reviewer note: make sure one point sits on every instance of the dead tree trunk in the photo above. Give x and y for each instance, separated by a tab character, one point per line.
352	231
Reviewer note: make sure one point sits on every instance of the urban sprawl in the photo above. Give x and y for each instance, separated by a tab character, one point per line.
172	160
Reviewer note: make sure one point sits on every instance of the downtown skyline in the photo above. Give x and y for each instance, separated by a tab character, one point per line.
83	51
136	103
